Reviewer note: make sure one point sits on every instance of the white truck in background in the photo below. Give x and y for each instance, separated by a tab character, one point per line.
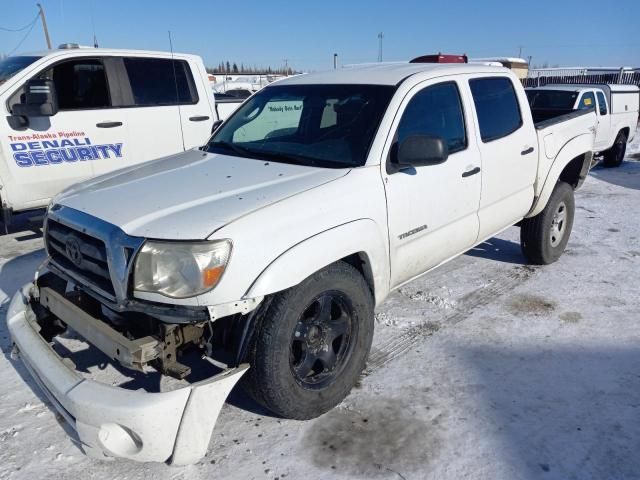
74	113
617	108
264	253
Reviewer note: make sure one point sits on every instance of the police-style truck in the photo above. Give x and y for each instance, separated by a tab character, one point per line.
74	113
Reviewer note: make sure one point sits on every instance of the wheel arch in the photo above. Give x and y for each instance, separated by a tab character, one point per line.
359	243
571	165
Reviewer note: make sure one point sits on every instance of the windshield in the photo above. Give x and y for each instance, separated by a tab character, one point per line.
321	125
12	65
552	99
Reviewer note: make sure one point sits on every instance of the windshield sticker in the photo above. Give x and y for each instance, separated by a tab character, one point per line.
57	148
587	101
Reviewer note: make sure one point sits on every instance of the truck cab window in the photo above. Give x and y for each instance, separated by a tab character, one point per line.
80	84
602	103
435	111
587	101
160	81
496	106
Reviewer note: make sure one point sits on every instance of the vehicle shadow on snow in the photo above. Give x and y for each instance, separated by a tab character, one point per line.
499	250
626	175
562	412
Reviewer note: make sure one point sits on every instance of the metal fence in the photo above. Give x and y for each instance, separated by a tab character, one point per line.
621	78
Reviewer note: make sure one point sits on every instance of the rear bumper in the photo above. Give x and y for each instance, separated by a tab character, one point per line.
173	427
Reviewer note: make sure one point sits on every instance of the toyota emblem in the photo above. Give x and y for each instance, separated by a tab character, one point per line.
72	247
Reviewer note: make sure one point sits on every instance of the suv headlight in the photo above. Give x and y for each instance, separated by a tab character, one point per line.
180	269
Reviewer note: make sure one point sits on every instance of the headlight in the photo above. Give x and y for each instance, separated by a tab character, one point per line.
180	269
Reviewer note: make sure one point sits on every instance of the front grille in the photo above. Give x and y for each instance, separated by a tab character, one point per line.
80	254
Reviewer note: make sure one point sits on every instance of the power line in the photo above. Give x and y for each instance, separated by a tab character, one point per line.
25	36
21	28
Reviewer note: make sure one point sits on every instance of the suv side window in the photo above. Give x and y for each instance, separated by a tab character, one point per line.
81	84
602	103
435	111
160	81
587	101
496	106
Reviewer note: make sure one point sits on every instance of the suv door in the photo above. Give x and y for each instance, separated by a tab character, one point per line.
508	145
432	210
86	135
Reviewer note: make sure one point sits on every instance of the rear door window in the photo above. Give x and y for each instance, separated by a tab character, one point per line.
496	106
160	81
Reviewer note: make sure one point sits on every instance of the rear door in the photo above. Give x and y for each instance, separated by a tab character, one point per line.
87	134
508	145
432	210
603	131
150	107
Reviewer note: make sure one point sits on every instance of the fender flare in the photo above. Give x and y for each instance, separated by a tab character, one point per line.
580	146
362	237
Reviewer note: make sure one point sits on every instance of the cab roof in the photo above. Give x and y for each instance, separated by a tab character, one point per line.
99	51
386	73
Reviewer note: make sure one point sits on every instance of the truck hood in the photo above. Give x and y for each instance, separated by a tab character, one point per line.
190	195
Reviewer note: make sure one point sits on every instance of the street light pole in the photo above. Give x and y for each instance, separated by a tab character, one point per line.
380	37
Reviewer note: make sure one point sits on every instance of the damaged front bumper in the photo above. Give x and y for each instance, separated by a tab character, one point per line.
173	427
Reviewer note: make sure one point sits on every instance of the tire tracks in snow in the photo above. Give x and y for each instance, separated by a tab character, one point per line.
397	345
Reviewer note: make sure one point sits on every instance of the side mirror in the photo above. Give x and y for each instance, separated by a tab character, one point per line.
40	99
419	151
215	125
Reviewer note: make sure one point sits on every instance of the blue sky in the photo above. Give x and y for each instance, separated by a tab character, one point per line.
559	32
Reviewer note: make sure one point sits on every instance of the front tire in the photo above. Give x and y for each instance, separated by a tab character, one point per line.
615	155
544	237
312	343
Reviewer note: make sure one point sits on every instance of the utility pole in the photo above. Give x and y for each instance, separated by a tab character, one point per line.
44	26
520	51
335	61
380	37
286	65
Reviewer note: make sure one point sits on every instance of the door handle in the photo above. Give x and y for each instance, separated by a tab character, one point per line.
108	124
527	151
473	171
200	118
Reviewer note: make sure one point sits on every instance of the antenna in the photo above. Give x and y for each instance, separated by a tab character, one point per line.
175	81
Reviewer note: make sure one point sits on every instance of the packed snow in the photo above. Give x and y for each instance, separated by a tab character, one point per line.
484	368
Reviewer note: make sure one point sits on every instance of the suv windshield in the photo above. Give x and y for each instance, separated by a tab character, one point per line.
12	65
552	99
321	125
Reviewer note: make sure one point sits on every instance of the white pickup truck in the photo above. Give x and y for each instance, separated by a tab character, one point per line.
617	108
73	113
265	252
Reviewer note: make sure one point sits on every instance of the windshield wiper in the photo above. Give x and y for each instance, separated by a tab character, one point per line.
245	152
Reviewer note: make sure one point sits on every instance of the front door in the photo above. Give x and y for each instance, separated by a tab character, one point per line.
432	210
86	135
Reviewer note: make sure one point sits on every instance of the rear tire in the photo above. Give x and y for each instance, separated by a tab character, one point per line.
311	343
544	237
615	155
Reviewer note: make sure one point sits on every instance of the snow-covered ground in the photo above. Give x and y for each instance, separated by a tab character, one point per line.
486	368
